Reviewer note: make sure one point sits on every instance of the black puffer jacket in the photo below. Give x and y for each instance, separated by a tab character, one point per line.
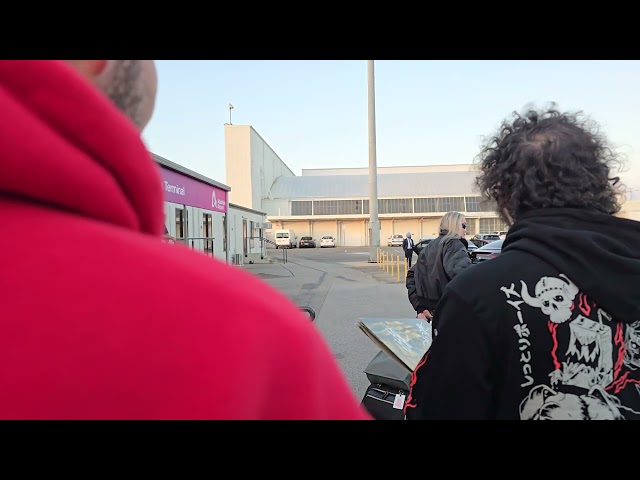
437	264
414	299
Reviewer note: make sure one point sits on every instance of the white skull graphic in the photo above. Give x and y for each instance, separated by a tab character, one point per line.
554	297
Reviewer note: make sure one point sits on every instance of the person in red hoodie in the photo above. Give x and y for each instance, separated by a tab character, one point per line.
101	319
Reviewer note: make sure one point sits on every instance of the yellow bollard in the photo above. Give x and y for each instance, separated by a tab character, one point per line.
398	267
387	262
392	265
406	267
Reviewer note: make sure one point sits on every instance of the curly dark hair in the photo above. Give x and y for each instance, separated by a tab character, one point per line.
548	159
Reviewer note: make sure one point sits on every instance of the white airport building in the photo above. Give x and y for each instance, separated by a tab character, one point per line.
335	201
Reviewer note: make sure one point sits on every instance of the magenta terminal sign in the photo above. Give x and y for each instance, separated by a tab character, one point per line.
184	190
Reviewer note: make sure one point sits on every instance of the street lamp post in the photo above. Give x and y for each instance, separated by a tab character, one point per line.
374	238
231	107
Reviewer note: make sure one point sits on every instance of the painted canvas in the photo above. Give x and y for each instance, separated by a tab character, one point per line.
406	340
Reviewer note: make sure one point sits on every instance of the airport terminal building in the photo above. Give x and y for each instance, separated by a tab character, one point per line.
198	213
336	201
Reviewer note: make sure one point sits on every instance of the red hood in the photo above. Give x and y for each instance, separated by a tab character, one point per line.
64	144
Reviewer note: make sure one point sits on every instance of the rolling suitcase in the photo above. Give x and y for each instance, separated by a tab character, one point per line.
384	402
386	396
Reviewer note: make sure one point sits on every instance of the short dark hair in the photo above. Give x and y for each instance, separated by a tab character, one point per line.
124	89
548	159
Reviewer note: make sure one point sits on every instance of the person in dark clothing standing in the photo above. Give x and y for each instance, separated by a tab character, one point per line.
549	329
438	263
407	246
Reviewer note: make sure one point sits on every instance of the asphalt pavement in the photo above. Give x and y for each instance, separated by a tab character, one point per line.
342	286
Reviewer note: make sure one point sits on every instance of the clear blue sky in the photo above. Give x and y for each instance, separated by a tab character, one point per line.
314	113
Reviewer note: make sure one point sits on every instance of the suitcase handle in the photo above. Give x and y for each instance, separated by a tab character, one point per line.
386	392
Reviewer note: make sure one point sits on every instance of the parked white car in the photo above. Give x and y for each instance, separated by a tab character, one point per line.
327	241
395	240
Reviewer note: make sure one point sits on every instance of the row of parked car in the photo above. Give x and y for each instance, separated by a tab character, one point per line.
480	248
325	242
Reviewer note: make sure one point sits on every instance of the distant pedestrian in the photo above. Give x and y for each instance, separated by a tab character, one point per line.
407	246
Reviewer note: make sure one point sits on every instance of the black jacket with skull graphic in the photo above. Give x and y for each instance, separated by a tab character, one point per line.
550	329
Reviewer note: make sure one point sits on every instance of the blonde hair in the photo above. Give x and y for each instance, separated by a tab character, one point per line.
451	224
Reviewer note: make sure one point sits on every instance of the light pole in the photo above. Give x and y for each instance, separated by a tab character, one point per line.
374	238
230	108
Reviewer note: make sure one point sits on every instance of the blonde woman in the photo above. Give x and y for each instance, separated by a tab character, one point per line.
440	261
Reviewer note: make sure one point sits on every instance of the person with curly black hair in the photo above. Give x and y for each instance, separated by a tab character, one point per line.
542	331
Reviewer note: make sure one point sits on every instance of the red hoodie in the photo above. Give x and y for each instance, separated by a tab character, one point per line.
100	319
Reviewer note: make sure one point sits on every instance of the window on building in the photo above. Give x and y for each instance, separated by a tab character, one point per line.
479	204
325	207
365	207
395	205
443	204
472	204
245	237
451	204
425	204
224	233
301	207
180	223
349	207
252	235
492	225
207	227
